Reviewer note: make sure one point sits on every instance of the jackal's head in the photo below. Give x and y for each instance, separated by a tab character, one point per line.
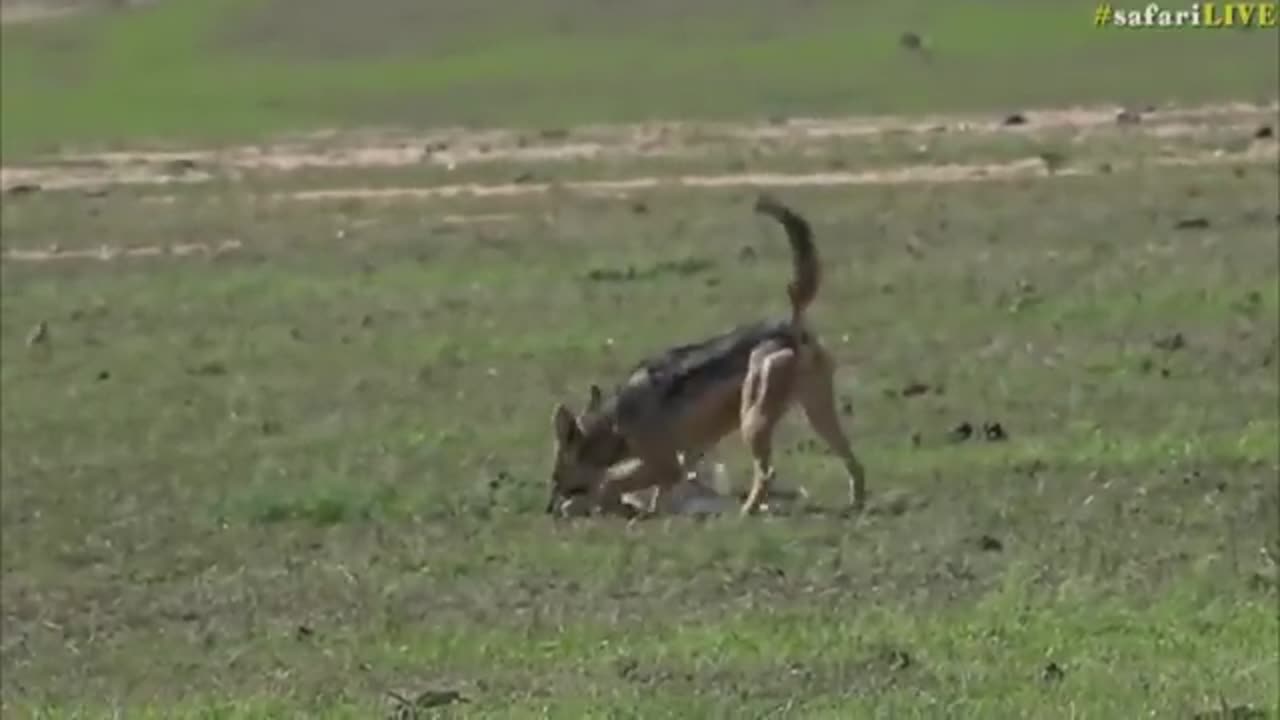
585	447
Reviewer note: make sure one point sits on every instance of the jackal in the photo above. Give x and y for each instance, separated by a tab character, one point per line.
682	402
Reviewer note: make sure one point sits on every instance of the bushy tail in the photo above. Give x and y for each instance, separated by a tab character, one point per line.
804	256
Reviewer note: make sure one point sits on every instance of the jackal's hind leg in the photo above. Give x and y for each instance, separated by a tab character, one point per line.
817	396
766	395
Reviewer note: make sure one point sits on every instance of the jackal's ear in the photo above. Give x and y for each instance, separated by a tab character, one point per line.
567	429
597	397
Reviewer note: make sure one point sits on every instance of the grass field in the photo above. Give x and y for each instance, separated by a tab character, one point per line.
283	448
229	69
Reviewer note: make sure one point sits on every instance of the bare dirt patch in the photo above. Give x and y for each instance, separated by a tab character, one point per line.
449	148
113	252
1027	168
109	252
1167	122
18	13
99	175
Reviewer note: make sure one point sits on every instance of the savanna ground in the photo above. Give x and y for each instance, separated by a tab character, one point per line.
282	449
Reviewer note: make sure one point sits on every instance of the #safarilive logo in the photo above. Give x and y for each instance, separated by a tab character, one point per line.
1201	15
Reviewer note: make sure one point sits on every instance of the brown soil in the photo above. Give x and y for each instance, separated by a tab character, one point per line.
1026	168
670	139
449	148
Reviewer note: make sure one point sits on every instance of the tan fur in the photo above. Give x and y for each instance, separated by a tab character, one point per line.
637	441
703	491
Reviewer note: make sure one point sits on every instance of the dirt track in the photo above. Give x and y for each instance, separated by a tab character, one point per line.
453	147
108	252
1026	168
19	13
102	170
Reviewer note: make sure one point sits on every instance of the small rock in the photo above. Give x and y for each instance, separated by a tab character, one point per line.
961	432
1170	343
1264	132
1128	117
24	189
39	334
209	369
1014	119
1052	673
1192	223
897	659
988	543
626	667
914	389
180	166
994	432
432	148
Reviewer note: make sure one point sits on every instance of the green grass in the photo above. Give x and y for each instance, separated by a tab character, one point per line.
290	479
200	70
261	457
